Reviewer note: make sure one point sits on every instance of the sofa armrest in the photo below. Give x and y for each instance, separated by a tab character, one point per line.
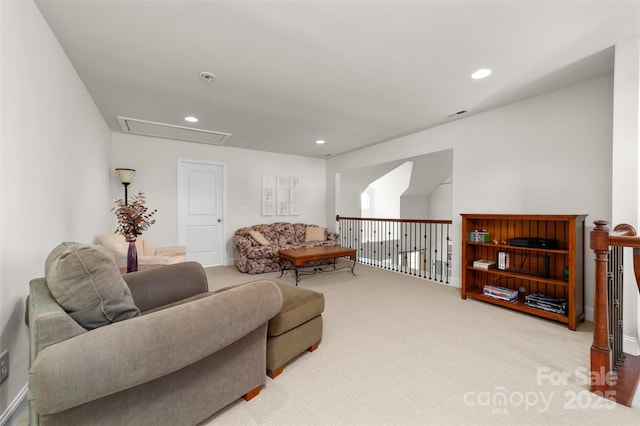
47	321
333	236
171	251
157	260
241	243
131	352
157	287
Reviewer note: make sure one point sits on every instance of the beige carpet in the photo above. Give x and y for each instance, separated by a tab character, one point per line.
399	350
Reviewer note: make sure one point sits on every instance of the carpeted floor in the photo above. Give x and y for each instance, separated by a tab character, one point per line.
399	350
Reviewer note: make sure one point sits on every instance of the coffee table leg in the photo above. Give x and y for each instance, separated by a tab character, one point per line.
353	266
282	269
297	275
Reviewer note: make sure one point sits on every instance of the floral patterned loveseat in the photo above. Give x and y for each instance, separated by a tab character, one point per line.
255	255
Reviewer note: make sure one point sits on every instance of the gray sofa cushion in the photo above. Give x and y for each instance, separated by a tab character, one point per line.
55	253
85	280
157	287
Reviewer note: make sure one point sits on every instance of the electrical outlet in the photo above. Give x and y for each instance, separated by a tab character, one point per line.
4	366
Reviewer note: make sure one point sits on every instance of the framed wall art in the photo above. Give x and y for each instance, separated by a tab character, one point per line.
267	195
280	195
294	196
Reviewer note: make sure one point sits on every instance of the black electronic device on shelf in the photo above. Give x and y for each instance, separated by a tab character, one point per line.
539	243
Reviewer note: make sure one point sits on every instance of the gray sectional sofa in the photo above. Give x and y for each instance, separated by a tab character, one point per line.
158	350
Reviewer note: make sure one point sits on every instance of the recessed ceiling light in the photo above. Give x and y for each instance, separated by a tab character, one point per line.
320	142
191	119
481	73
207	76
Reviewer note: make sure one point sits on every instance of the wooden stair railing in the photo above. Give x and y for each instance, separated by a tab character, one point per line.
614	374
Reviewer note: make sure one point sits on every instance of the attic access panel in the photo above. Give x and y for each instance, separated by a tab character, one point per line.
170	131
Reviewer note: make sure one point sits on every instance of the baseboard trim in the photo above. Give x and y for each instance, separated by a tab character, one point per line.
11	409
455	282
588	313
630	345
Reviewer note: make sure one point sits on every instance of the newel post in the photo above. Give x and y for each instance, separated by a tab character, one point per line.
600	351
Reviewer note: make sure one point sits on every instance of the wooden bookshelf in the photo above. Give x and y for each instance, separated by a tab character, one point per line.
556	272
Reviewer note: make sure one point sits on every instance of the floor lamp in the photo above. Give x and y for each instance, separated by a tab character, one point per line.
126	177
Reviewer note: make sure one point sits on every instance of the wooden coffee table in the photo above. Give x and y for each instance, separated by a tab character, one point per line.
298	257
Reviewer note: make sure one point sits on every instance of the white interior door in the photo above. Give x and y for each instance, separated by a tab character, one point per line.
200	211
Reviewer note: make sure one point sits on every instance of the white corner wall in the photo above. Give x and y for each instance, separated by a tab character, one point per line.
547	154
155	161
626	173
440	201
414	207
54	178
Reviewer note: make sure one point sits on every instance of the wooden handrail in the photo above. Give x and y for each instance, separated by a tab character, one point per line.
616	379
625	241
377	219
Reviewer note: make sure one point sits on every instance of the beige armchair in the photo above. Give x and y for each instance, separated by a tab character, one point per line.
147	252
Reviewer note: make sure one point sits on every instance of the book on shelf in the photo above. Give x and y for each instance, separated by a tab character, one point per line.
503	260
546	303
500	293
484	264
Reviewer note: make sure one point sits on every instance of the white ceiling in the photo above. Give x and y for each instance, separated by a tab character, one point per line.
353	73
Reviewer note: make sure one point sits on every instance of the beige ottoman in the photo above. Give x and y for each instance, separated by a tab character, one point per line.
297	328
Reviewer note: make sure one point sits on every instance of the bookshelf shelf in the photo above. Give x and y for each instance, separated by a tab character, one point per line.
557	272
518	305
515	274
508	247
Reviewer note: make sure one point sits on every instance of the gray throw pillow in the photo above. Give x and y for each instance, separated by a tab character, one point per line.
85	280
55	253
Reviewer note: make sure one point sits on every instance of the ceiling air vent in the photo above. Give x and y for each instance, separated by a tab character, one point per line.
169	131
455	114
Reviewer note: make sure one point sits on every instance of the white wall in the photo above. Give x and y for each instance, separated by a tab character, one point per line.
626	137
385	192
350	205
414	207
155	161
540	155
54	179
440	201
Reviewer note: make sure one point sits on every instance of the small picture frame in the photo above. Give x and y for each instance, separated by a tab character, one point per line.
267	194
267	208
283	181
282	208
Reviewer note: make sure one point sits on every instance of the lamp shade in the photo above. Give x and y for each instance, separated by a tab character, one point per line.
126	175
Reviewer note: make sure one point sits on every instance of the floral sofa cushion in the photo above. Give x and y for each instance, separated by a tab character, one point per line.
252	257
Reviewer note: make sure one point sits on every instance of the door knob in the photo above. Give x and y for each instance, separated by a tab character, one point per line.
219	220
